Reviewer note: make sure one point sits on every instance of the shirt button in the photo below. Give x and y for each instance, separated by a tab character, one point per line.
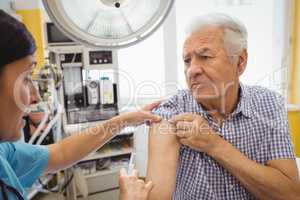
231	187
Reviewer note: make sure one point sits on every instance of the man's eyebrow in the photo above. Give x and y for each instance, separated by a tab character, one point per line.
204	50
198	51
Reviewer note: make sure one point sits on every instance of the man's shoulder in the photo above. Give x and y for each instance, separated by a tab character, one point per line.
178	100
173	105
260	93
263	99
180	96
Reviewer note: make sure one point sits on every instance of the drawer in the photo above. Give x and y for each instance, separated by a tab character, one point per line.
103	182
108	195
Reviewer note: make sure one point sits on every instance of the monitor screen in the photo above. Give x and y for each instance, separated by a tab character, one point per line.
55	36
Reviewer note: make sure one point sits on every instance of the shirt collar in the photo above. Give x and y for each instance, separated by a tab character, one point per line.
244	105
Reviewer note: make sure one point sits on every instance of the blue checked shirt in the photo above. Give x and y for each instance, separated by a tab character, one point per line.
258	128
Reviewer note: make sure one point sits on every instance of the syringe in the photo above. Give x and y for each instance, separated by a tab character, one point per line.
131	164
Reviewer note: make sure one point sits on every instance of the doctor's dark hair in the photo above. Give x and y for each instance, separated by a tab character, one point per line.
16	42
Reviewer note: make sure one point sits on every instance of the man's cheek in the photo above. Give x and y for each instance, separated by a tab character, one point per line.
187	74
187	78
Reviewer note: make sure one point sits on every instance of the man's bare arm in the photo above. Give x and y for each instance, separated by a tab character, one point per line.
162	160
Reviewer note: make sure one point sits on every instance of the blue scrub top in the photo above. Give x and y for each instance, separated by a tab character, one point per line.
21	165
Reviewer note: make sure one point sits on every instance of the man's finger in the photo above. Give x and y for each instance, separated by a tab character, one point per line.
185	142
182	117
182	134
184	125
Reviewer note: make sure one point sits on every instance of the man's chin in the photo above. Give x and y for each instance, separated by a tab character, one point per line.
204	95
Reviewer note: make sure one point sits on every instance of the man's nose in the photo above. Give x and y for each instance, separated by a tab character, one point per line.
34	94
195	69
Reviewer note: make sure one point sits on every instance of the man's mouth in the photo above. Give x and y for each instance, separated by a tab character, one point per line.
196	86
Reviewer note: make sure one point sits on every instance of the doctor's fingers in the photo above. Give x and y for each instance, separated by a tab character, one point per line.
123	173
187	142
142	185
149	117
149	186
152	105
135	174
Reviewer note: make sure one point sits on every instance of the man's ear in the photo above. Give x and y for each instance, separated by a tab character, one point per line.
242	62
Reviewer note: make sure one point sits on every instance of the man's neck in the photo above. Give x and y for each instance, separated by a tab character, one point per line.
220	108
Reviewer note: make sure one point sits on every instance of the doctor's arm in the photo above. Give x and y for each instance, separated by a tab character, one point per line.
74	148
162	160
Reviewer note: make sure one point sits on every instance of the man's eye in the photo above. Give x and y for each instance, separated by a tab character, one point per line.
204	57
187	60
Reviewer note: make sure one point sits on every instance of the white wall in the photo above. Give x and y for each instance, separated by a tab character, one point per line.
5	5
142	70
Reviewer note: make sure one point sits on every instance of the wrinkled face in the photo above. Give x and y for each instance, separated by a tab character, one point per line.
209	70
16	94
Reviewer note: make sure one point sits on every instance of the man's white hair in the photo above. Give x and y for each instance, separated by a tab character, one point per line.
235	32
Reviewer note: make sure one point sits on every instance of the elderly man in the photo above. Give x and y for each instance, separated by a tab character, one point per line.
221	140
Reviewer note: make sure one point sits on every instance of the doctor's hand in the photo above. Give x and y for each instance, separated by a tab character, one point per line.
194	131
132	188
141	116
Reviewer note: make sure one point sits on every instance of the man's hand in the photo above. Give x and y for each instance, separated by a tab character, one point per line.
194	131
132	188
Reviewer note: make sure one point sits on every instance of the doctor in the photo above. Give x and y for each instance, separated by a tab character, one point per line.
21	164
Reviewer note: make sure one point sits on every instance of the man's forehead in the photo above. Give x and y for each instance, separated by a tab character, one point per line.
199	50
203	38
201	46
207	39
